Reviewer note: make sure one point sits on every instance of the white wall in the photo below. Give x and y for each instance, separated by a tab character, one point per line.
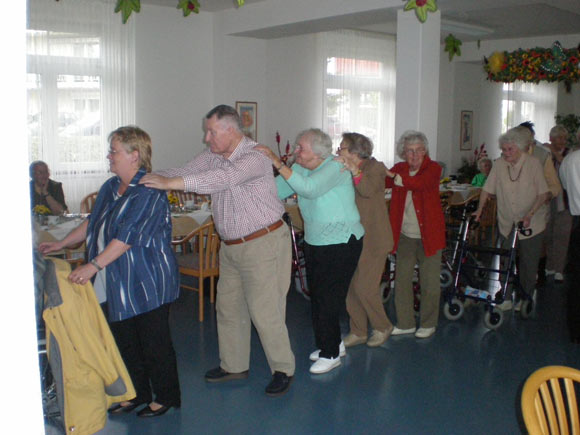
174	81
294	88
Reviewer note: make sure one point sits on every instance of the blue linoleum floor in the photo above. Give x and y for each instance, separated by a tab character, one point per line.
464	380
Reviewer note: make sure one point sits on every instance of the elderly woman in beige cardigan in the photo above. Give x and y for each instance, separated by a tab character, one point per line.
363	301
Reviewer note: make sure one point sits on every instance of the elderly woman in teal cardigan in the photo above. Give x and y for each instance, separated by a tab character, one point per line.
332	233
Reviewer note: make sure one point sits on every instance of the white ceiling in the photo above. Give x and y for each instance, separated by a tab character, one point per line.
468	20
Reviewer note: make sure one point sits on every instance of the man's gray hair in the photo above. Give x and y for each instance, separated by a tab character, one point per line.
320	142
411	137
227	113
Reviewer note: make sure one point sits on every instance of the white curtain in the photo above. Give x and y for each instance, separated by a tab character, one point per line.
359	77
80	87
530	102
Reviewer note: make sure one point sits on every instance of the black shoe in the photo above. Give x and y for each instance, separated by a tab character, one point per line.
119	409
148	412
279	385
220	375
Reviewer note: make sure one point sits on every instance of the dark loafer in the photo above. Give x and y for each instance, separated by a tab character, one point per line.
119	409
279	385
220	375
148	412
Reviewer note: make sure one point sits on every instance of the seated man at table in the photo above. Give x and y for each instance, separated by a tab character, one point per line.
44	191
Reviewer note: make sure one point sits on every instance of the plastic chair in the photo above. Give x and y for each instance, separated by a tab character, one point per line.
198	258
549	403
88	202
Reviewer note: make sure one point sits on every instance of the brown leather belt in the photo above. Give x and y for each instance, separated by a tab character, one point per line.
257	234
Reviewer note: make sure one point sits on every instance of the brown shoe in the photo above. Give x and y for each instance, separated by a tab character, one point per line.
220	375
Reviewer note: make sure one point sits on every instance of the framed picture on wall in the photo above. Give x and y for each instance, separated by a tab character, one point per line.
249	116
466	135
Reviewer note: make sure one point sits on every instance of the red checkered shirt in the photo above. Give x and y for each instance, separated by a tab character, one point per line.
242	188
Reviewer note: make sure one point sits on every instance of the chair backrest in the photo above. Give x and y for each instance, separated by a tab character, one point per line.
88	202
204	242
549	404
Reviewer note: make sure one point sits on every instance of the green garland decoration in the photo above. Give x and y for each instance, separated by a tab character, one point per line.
421	8
452	46
126	7
554	64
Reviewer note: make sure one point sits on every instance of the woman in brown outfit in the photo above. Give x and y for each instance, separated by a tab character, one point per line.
363	301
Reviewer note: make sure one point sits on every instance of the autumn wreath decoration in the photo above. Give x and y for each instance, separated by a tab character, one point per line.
555	64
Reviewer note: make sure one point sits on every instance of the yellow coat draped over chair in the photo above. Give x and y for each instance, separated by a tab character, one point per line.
89	372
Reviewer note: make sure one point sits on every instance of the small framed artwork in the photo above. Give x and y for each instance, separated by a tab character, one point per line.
249	116
466	136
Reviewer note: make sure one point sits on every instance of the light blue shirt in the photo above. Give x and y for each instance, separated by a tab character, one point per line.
146	276
326	200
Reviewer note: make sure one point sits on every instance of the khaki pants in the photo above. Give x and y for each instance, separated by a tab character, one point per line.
252	288
410	252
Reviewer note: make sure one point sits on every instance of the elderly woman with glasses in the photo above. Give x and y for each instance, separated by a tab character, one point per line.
363	301
135	271
418	231
332	232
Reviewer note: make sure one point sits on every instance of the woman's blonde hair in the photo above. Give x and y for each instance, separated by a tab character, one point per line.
134	139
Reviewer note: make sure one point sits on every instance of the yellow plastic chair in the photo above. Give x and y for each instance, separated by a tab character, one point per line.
549	403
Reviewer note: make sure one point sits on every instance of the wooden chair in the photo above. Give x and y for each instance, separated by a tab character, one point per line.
198	258
189	196
487	221
549	402
88	202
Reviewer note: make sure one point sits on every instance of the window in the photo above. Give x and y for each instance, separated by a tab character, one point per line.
359	88
80	87
529	102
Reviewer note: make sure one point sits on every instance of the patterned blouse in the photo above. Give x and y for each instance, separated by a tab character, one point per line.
146	276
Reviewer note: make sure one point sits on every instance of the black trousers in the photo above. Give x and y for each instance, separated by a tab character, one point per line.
329	270
572	273
145	345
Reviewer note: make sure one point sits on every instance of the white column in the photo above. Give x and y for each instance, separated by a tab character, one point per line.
418	49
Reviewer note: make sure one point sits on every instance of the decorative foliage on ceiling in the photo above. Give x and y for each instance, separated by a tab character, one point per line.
554	64
126	7
453	46
421	8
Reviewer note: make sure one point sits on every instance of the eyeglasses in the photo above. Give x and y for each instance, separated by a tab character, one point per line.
112	151
417	151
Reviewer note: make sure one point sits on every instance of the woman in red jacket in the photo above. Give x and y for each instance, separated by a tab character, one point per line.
418	232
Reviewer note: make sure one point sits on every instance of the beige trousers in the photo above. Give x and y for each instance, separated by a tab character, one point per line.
410	252
252	288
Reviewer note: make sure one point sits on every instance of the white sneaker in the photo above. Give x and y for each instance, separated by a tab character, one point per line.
397	331
558	277
550	272
324	365
425	332
316	354
506	305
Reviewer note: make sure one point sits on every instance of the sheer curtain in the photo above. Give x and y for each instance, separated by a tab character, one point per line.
530	102
80	86
359	87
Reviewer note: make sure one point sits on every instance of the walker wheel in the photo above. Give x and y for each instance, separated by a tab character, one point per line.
454	309
446	278
386	291
493	319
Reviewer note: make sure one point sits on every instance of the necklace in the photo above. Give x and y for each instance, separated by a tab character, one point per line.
510	173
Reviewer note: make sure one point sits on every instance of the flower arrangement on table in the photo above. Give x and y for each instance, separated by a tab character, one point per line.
469	168
41	210
554	64
173	199
286	156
